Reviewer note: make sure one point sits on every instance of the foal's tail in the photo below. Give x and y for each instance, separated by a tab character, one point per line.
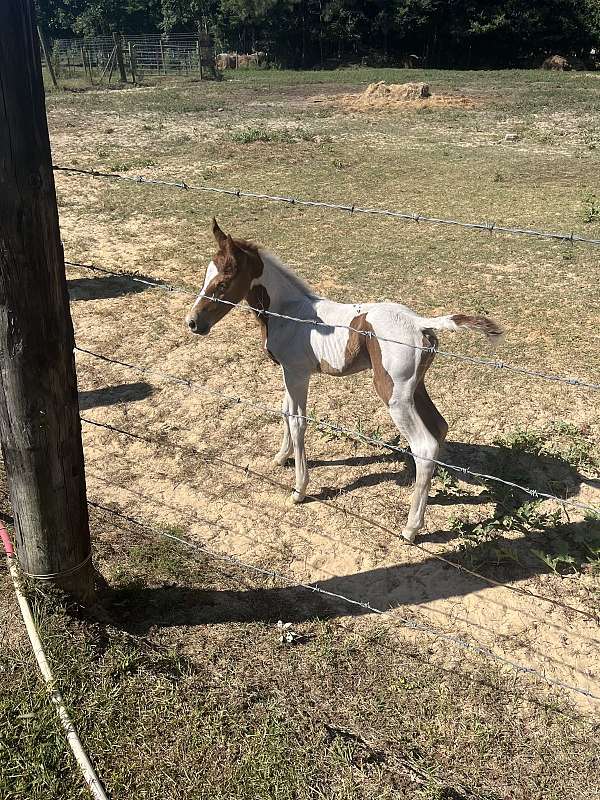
454	322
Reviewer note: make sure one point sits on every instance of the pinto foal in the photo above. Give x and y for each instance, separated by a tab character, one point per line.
242	271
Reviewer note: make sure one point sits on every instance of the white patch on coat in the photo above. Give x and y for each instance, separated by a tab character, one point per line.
211	272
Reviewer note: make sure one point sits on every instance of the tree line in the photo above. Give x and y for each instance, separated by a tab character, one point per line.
312	33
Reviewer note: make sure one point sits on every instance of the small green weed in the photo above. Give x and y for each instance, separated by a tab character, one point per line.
286	136
482	542
331	434
554	561
135	163
445	483
592	208
577	549
565	440
251	135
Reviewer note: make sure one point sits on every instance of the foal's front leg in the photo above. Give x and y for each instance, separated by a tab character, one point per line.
297	392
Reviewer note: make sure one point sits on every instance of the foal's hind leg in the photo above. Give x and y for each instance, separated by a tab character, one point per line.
287	447
425	428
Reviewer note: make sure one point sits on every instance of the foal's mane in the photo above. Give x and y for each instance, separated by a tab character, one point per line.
286	272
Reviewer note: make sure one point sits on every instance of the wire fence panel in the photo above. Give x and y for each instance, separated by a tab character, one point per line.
456	641
491	227
475	360
159	54
184	54
480	477
347	512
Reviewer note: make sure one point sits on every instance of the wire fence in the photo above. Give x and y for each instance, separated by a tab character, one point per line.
347	512
490	227
474	360
358	436
403	622
96	57
342	430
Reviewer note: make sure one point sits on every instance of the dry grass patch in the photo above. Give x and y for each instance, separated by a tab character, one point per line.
381	96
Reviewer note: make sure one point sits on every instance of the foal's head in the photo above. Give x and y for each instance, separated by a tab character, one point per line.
228	277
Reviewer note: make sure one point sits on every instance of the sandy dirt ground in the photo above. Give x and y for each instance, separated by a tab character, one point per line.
234	511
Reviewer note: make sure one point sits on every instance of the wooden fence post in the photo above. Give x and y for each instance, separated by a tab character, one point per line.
88	55
120	62
162	57
40	427
131	49
108	64
47	59
199	53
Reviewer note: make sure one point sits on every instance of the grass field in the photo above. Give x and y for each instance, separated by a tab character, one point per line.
177	680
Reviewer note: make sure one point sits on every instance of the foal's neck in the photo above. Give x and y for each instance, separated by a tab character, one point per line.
281	284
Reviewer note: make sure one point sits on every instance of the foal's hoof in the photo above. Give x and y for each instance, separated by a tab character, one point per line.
410	534
280	461
297	497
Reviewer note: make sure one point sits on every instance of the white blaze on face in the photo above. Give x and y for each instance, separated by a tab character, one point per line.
211	272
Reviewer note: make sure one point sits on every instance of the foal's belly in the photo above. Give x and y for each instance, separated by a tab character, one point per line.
342	350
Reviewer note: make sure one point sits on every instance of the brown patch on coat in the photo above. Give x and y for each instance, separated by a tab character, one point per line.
382	380
384	385
426	358
259	299
484	325
356	356
433	420
361	352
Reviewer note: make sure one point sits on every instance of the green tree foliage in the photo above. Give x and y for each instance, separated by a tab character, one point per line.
442	33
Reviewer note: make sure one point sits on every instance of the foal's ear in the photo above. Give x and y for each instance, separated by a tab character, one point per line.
218	233
231	247
232	251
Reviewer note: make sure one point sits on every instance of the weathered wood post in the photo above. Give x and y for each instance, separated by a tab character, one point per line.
109	61
47	58
131	49
88	55
40	427
120	61
199	54
162	57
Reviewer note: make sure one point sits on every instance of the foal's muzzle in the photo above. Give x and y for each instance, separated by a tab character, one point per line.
197	326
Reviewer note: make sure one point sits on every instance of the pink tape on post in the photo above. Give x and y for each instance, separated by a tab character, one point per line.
8	546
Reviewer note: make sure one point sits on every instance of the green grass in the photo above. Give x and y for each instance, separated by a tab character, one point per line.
227	712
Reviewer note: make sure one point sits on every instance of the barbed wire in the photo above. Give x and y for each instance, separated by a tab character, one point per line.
348	207
356	435
459	642
476	360
247	470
